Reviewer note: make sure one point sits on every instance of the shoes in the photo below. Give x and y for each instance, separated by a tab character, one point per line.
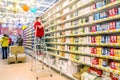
4	58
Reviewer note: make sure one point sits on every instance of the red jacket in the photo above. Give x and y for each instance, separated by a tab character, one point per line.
39	31
10	40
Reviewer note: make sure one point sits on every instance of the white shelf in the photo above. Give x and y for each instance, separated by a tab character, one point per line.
87	14
70	4
81	53
86	24
87	34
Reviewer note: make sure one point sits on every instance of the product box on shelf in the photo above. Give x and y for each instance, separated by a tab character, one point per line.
16	49
113	12
95	61
95	71
87	60
87	76
81	58
73	68
118	25
99	51
119	10
112	52
103	62
103	15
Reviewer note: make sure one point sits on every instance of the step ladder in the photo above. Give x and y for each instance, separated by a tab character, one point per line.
40	51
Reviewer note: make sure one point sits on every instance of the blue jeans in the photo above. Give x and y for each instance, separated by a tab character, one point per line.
4	52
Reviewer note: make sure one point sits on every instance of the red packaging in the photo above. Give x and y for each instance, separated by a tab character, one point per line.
95	61
111	39
110	26
112	52
93	29
93	40
94	6
93	51
112	12
113	78
113	1
113	65
114	25
95	71
114	39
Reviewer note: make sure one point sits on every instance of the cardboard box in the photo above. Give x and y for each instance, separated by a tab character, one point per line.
16	49
21	57
11	58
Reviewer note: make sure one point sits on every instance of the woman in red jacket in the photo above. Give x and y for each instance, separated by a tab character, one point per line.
39	29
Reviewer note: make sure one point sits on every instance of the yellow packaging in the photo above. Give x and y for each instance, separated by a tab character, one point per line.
115	52
100	62
99	51
71	40
117	66
118	39
118	53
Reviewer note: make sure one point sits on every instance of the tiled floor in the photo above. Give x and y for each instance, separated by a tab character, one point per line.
21	71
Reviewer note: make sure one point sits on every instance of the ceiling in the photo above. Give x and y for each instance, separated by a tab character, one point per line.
9	16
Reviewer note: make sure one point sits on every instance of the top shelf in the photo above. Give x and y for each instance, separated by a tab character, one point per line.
73	10
115	4
71	3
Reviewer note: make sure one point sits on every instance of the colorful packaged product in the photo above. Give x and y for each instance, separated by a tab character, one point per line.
119	10
118	25
95	71
113	1
113	12
113	65
112	52
95	61
93	29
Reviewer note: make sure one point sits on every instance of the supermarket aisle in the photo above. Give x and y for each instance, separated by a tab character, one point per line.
22	71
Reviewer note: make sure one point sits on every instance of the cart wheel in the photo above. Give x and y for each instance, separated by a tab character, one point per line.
36	78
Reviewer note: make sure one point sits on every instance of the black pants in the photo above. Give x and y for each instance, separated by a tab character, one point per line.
4	52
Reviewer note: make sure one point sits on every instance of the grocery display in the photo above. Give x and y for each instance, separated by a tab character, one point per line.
82	38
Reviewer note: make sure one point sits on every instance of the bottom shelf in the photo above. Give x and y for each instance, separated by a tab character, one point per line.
54	67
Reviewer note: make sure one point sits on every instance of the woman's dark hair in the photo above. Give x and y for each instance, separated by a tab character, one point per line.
5	35
37	18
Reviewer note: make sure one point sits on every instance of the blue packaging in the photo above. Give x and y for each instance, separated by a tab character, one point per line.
103	3
97	16
107	39
103	51
103	15
104	63
119	10
103	40
118	25
98	5
98	28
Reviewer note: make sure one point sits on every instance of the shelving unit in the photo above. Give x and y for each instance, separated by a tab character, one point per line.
81	32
